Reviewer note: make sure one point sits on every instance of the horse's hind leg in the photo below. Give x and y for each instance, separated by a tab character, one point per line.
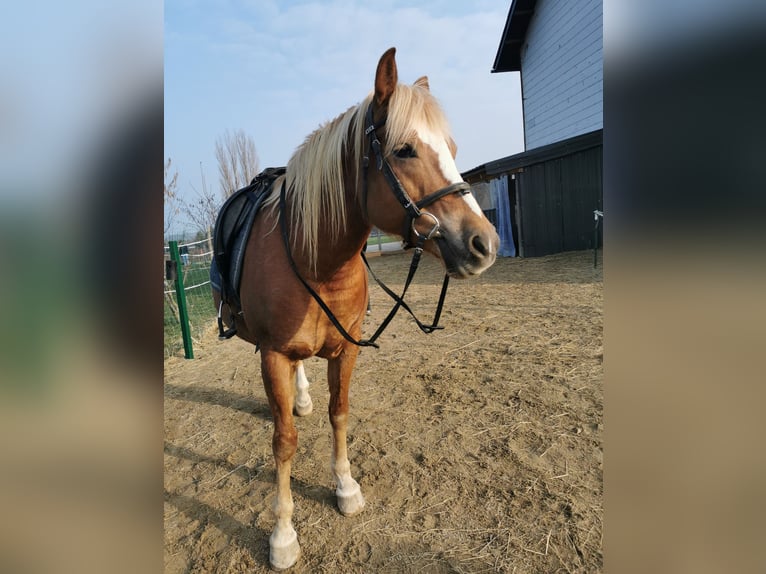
278	371
349	495
303	404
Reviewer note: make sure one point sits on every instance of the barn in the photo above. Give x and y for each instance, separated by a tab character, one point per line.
543	199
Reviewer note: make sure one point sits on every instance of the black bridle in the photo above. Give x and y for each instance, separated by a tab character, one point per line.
413	212
411	208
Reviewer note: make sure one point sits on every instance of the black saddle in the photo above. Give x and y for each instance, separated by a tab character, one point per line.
232	230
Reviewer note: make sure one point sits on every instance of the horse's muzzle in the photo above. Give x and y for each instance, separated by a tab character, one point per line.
470	254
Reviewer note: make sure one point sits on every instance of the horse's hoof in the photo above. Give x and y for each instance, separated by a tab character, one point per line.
284	552
305	409
351	501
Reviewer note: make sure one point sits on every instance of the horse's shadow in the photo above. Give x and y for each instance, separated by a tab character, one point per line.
251	538
263	472
215	396
243	471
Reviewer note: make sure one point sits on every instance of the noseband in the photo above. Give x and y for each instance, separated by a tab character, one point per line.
411	208
413	213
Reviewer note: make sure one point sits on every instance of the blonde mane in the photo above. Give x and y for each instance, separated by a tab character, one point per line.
315	179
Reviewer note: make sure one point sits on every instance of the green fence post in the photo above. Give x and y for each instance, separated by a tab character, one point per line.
183	314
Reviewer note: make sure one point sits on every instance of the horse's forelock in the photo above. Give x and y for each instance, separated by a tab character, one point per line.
411	106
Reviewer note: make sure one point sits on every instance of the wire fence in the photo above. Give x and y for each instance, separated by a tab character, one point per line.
196	258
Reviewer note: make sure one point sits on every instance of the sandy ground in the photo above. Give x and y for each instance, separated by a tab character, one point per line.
478	448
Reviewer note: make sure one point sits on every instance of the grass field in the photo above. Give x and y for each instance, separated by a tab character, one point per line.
374	240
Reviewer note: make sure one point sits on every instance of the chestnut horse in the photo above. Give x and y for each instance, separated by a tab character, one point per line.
387	162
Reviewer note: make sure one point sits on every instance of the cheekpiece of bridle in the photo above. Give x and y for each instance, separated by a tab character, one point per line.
413	213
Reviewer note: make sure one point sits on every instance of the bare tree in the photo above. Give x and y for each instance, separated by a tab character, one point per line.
202	210
237	166
171	199
170	196
237	161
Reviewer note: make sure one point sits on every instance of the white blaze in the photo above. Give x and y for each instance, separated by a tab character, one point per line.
447	163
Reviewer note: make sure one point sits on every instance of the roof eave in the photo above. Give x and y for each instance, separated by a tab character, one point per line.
508	57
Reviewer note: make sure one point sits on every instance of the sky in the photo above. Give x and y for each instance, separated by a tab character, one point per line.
280	69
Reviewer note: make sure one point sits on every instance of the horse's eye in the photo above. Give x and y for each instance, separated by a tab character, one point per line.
405	151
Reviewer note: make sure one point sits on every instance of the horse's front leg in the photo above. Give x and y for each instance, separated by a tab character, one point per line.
349	495
278	372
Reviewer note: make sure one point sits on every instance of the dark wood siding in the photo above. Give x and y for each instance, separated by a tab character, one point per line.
557	198
581	180
557	187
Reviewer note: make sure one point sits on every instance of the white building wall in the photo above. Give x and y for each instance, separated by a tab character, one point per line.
561	71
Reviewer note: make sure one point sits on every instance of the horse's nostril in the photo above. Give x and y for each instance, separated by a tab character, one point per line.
478	245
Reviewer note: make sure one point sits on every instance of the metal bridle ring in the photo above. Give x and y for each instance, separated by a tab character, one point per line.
434	230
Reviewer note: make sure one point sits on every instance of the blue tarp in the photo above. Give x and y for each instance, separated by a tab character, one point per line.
498	189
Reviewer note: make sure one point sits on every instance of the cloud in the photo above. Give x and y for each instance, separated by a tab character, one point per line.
281	69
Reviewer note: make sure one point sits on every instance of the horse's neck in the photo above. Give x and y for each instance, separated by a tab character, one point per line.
335	253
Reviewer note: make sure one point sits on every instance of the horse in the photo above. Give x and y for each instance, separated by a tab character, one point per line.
388	162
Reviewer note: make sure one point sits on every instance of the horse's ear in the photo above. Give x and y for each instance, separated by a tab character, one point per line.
422	82
386	77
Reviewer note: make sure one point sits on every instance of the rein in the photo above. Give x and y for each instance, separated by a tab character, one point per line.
413	211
